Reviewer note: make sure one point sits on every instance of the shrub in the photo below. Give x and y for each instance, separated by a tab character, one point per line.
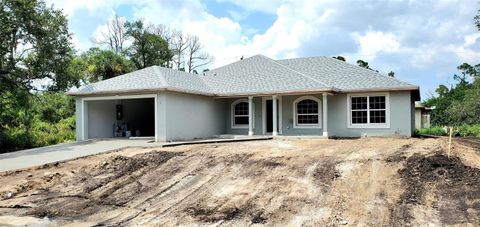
469	130
436	131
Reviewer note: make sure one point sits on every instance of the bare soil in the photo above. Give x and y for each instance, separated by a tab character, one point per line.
370	182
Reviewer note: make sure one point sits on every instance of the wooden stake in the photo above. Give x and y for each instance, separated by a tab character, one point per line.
450	142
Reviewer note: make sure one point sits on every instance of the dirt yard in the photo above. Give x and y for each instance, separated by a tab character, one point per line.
369	182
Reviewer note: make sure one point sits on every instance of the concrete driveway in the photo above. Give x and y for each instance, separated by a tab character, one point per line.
61	152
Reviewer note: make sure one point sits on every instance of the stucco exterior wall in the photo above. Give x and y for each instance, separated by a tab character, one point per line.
192	116
289	117
78	119
258	126
401	117
418	118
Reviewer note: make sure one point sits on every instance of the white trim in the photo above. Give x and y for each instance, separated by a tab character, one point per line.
82	101
264	114
250	116
325	114
369	125
320	112
232	114
115	97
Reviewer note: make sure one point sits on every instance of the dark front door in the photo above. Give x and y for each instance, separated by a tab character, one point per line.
269	113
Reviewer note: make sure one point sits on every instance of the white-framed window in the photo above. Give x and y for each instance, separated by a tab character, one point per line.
307	111
240	114
369	110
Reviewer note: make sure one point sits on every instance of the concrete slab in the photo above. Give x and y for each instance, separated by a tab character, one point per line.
218	140
62	152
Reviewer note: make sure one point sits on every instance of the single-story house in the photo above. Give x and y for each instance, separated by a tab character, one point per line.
315	96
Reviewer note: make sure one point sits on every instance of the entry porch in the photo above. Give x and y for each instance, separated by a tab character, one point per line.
278	115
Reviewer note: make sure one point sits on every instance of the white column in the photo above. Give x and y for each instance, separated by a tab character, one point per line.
250	115
325	115
275	121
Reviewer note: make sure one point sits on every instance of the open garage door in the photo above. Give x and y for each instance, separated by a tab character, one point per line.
120	118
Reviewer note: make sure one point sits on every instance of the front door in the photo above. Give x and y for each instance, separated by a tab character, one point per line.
269	115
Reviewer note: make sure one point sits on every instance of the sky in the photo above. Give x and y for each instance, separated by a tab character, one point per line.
422	41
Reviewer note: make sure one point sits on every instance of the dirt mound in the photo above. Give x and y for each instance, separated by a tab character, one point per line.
455	184
105	185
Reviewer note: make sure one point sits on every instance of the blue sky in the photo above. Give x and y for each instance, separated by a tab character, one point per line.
421	41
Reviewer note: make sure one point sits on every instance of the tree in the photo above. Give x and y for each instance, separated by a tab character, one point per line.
391	74
196	57
147	49
341	58
179	46
477	20
467	69
34	44
115	36
97	64
364	64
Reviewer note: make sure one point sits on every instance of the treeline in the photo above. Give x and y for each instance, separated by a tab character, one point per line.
127	46
458	105
38	64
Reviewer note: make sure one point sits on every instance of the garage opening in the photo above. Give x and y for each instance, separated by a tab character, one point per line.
121	118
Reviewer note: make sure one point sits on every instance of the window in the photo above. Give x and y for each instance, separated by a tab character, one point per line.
240	114
307	112
368	110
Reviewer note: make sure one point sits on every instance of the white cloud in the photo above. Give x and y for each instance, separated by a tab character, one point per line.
373	42
431	36
263	6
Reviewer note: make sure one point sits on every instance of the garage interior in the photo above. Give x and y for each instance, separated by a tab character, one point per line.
121	118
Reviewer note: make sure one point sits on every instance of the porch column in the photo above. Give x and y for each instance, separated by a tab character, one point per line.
275	120
250	115
325	114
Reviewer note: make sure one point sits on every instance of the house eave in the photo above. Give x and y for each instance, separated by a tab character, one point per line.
279	92
138	91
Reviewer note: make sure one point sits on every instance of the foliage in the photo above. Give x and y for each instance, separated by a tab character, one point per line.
341	58
147	49
469	130
46	119
458	104
34	44
477	20
97	64
391	74
436	131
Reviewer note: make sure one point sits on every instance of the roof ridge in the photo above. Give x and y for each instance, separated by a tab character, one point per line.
161	76
295	71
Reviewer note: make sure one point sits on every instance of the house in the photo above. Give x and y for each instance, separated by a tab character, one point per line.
318	96
422	115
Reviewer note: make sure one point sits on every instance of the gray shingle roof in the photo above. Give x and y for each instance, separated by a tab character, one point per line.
148	79
259	74
254	75
343	75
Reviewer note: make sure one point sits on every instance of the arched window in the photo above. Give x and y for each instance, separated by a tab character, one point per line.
240	114
307	112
